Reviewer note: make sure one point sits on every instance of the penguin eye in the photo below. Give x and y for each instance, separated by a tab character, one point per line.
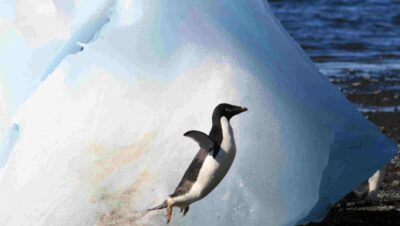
227	109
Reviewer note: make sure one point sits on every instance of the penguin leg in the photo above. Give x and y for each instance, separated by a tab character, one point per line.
169	212
185	210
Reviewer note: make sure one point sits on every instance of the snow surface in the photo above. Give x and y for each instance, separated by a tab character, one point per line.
95	97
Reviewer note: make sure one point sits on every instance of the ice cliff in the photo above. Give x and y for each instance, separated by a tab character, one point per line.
95	97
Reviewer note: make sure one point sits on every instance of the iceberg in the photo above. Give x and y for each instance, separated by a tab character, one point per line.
96	110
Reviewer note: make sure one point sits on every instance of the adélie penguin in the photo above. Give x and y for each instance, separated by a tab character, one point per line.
210	165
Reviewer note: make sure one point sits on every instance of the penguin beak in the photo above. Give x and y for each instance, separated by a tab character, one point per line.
241	109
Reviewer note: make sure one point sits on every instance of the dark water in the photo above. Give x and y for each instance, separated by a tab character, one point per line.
345	37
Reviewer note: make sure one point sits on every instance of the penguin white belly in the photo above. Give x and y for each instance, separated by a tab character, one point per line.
213	169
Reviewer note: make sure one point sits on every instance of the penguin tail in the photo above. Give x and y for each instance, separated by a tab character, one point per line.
159	207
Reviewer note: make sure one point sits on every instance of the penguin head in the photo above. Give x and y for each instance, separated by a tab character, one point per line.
227	110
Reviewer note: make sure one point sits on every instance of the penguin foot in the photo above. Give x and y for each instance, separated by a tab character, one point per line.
169	213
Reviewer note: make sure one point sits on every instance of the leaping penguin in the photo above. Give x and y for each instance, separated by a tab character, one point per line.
210	165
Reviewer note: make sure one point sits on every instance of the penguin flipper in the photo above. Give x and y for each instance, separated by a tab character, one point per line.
201	138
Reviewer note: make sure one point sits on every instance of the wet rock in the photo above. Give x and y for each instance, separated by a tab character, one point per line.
395	183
